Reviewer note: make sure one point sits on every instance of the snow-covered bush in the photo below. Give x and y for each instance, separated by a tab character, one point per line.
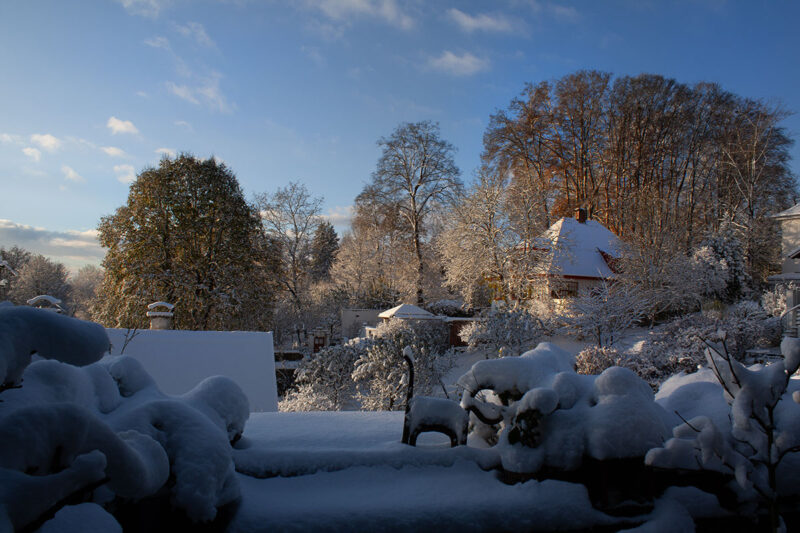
749	444
105	429
605	312
774	301
594	359
545	415
505	332
380	372
679	345
323	380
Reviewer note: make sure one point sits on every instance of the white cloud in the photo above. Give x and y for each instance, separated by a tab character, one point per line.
33	153
346	10
146	8
125	173
121	126
183	124
207	92
197	32
184	92
46	141
10	138
71	175
481	22
142	94
340	217
169	152
73	248
465	64
113	151
158	42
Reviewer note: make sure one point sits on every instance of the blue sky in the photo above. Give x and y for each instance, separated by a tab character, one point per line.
94	91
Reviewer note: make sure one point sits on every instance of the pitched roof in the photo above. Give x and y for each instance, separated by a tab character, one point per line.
580	249
406	311
792	212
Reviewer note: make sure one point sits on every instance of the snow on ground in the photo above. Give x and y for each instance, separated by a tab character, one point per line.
289	444
358	476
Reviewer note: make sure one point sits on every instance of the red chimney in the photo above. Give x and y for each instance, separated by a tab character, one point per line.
580	215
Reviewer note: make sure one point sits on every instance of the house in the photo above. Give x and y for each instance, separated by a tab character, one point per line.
576	255
789	277
406	312
581	253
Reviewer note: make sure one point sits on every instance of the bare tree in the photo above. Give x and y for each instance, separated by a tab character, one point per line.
291	216
415	173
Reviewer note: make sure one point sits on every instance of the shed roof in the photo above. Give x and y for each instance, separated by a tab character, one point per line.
407	311
792	212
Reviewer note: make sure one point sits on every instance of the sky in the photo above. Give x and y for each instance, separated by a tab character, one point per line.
92	92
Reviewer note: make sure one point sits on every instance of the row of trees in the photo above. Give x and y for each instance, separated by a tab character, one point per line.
24	275
662	164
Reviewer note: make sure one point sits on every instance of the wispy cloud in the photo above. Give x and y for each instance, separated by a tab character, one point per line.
183	124
196	32
113	151
33	153
340	217
73	248
555	9
46	142
145	8
10	138
465	64
121	126
346	11
125	173
158	42
71	175
207	92
169	152
480	22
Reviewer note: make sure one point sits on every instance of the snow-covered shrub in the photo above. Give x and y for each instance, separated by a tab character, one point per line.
774	301
724	253
679	345
448	308
324	380
594	359
505	332
70	431
749	445
605	312
381	374
544	414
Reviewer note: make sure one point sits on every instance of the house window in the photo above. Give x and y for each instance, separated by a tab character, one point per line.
564	289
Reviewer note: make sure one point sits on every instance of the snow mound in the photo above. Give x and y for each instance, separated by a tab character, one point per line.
26	330
70	430
541	413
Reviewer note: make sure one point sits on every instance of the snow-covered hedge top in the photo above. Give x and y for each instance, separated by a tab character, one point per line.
26	330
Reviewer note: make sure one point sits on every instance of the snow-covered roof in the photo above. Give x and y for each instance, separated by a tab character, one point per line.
407	311
577	249
792	212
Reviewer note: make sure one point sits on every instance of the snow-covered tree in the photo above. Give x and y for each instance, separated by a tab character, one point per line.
40	276
380	372
415	173
291	216
187	236
85	283
11	261
323	380
606	312
324	246
506	332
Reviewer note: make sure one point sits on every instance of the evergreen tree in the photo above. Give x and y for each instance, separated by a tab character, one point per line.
324	247
187	236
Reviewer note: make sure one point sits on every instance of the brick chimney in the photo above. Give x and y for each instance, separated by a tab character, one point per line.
580	215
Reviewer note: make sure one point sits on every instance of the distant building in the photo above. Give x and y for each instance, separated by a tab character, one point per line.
789	221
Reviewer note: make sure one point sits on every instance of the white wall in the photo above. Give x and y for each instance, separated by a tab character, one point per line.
179	360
